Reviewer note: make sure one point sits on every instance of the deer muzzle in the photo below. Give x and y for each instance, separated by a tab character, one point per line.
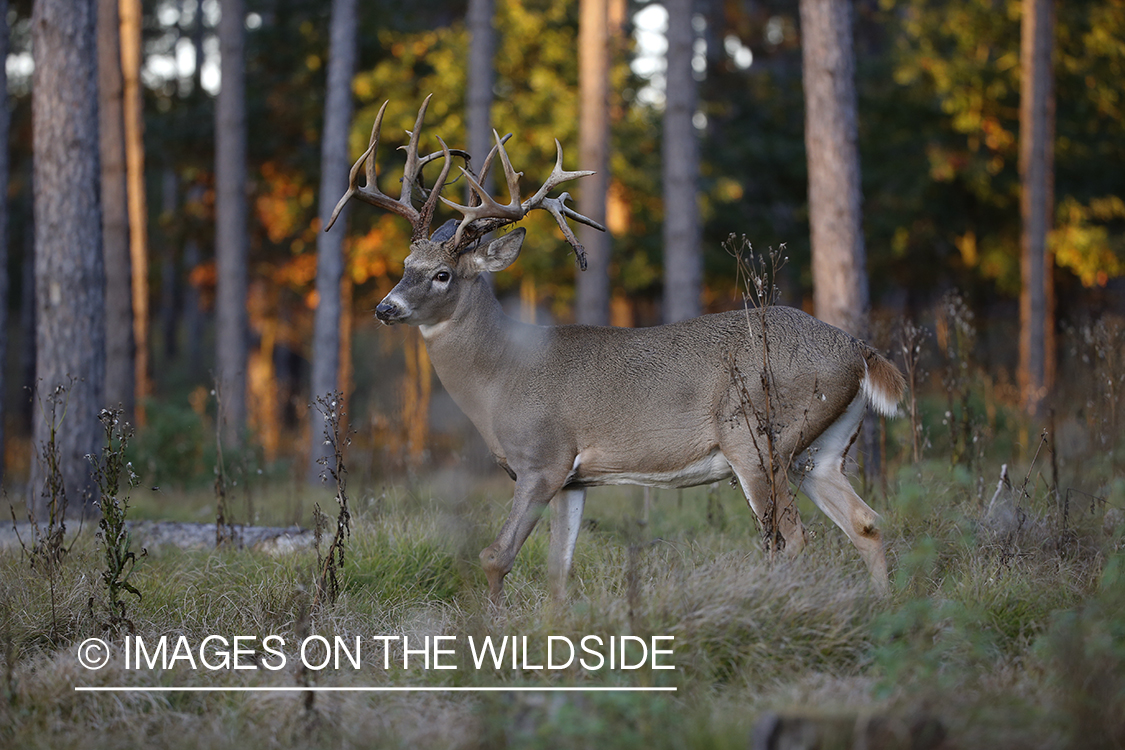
390	312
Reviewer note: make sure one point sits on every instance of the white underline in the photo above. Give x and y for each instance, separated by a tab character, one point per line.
336	689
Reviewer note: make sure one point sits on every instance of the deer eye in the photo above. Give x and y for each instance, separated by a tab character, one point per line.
442	277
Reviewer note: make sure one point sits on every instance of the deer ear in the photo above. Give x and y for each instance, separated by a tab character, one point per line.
501	252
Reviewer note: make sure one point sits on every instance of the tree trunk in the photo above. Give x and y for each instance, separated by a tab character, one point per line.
170	296
334	166
831	131
683	260
231	239
138	208
193	305
119	351
5	285
27	329
1037	155
69	270
482	51
593	153
839	264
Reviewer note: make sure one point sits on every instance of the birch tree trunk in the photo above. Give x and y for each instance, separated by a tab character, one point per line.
683	260
69	270
231	238
1037	156
334	166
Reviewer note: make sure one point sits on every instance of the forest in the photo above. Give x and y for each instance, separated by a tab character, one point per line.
183	344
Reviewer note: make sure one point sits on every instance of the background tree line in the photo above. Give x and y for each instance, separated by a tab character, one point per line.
229	281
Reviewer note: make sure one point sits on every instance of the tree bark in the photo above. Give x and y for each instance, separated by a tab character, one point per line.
334	165
130	11
1036	163
482	51
683	259
119	351
5	282
840	291
593	153
69	270
170	296
231	238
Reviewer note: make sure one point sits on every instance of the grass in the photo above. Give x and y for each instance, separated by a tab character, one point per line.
1021	647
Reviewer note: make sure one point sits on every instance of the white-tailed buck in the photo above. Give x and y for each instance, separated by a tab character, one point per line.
563	408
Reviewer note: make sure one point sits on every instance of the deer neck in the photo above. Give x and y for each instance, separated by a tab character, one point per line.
471	349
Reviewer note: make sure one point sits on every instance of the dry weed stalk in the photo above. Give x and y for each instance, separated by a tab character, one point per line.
911	337
224	527
1105	344
331	407
757	274
109	470
48	548
956	336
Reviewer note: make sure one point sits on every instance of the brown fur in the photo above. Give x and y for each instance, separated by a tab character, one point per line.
568	407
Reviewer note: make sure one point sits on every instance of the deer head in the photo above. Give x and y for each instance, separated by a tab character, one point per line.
440	266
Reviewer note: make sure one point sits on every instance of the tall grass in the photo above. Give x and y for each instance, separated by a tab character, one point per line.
1036	636
1010	637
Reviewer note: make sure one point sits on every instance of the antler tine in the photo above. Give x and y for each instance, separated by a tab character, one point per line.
557	207
373	146
353	177
557	177
426	215
370	192
511	176
487	165
410	172
489	208
439	154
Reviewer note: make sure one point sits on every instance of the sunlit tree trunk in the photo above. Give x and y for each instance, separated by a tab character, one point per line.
69	270
417	385
334	166
119	352
138	207
231	238
839	261
831	130
5	284
1037	155
482	51
683	260
593	153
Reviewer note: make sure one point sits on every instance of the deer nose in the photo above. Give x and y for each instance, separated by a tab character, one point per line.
389	312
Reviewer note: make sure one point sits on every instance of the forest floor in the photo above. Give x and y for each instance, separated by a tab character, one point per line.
1006	635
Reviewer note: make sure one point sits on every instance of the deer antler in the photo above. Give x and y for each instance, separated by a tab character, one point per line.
370	193
489	214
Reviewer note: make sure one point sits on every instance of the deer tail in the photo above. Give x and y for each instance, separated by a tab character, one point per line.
883	384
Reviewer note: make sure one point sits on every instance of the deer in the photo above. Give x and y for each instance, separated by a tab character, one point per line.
563	408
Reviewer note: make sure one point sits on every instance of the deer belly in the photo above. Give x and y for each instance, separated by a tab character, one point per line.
588	471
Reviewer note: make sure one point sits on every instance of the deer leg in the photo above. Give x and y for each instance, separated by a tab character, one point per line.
531	498
756	487
832	492
566	518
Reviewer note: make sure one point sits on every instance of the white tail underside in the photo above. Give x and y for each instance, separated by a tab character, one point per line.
883	402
